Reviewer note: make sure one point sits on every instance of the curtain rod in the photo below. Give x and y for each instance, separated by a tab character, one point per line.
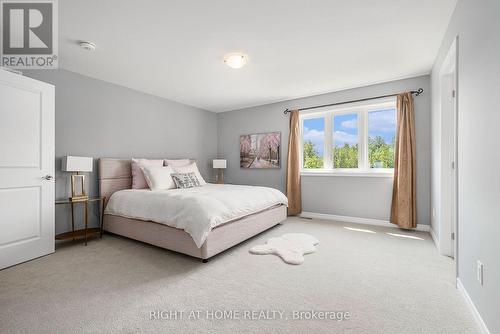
415	92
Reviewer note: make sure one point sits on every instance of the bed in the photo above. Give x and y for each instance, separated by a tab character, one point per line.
121	218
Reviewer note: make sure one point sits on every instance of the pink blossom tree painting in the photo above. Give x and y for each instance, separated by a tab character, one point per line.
260	150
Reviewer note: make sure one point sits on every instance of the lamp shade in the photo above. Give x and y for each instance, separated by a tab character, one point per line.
76	164
219	163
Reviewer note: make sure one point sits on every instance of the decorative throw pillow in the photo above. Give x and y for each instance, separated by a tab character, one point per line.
138	180
185	180
177	162
191	168
159	177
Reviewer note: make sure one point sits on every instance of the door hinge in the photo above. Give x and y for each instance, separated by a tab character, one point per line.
453	165
453	236
453	93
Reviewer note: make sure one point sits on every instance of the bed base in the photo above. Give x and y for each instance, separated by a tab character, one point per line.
220	238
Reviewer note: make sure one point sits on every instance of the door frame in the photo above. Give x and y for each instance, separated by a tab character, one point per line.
449	199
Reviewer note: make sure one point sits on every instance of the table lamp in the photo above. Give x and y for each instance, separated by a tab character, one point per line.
220	165
78	165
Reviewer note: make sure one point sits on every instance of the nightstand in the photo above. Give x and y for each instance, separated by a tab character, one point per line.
86	232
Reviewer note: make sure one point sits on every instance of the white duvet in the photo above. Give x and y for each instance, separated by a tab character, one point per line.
195	210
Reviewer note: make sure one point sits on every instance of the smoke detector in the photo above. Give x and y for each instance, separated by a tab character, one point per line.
89	46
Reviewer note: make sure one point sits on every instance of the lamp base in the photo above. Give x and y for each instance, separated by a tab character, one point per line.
219	178
78	192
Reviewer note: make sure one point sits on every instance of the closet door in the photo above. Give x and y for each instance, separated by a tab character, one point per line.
26	168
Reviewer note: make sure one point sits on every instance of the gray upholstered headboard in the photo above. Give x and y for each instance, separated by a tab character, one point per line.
114	175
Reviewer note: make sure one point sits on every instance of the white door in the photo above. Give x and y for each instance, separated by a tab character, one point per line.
448	163
448	137
26	168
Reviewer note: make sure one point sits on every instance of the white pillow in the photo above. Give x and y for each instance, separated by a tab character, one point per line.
159	177
191	168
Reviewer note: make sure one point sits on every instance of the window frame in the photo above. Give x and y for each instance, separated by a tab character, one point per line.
361	109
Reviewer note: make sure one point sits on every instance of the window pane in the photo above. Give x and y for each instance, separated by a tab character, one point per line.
381	138
345	141
314	140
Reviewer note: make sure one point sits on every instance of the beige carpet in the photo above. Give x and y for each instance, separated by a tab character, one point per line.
389	284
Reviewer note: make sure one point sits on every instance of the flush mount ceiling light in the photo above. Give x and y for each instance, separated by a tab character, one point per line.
89	46
235	59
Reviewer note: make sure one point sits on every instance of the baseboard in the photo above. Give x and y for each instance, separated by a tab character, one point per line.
358	220
472	307
434	237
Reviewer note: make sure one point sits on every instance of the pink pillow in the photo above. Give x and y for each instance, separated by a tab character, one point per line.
138	180
177	162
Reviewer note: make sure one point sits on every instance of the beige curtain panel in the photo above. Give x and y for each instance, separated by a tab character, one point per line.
293	191
404	209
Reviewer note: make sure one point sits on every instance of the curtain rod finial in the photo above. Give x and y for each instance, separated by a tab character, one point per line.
286	111
419	91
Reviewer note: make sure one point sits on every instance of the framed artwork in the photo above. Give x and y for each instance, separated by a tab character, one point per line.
260	150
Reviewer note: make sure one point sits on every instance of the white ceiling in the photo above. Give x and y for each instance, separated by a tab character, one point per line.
175	49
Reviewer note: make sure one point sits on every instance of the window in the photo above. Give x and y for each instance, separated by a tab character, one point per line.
314	143
350	139
381	138
345	141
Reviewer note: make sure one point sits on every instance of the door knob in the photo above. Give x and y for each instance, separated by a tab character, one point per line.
47	177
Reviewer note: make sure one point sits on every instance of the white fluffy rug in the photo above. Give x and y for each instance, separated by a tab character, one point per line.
291	247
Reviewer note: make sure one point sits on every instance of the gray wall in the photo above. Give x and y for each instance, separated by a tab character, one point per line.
99	119
477	25
365	197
